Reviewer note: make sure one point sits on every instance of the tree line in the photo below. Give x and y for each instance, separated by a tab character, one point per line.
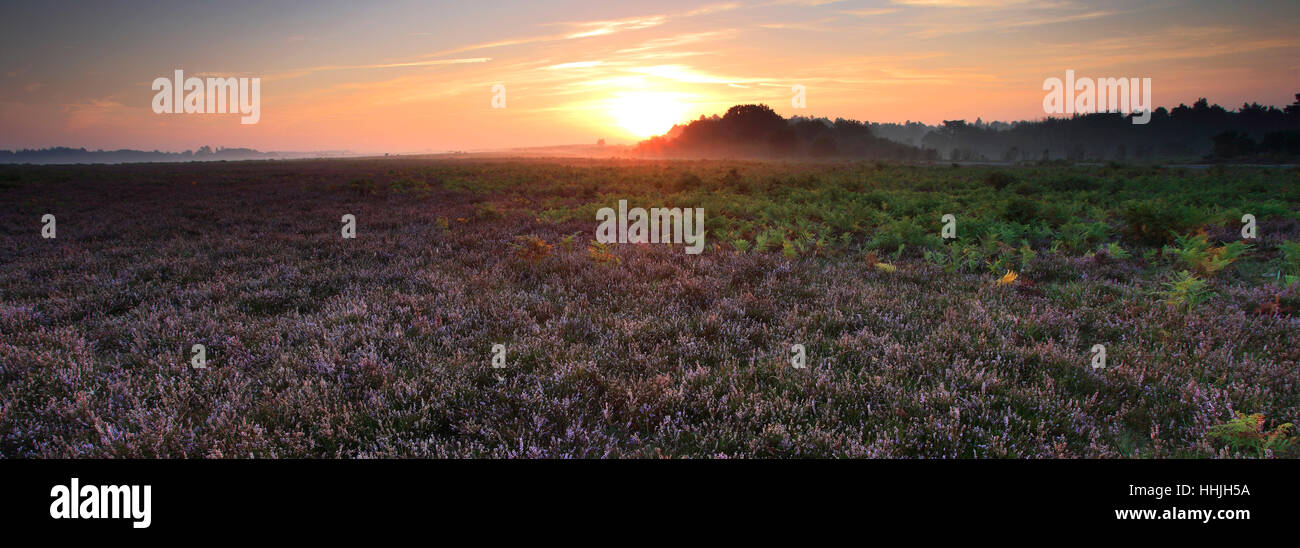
66	155
1198	132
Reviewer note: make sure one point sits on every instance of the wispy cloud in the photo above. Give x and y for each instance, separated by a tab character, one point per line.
1163	45
601	28
92	113
962	3
576	64
819	25
871	12
999	22
713	8
678	40
690	75
294	73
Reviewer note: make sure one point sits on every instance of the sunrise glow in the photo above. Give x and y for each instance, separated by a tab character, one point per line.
418	78
643	114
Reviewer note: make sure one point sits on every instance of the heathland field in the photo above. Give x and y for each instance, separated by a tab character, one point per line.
987	344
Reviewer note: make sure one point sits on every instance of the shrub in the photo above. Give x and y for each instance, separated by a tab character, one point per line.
405	184
1247	433
1186	291
488	210
1290	257
1027	256
1078	236
790	249
687	181
602	253
1197	254
1026	188
905	232
937	258
1000	179
363	186
1153	222
1021	210
1075	183
532	249
567	242
734	180
769	239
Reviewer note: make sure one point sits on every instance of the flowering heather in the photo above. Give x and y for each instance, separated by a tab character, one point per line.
380	346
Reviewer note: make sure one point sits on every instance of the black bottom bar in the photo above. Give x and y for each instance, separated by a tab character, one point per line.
312	498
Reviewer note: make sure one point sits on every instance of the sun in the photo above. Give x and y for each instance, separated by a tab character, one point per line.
647	113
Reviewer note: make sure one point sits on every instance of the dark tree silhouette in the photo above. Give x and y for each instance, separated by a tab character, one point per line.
758	131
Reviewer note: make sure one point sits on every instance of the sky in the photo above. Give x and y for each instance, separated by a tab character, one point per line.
408	77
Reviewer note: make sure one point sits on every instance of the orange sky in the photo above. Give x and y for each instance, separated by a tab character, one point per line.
417	77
